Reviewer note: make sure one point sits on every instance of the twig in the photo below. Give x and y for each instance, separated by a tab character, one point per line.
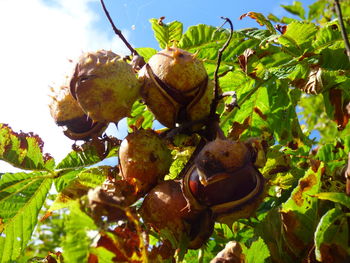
117	31
223	74
216	99
342	27
347	177
183	128
233	104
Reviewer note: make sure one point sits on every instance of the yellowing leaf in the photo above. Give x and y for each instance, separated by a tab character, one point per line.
299	213
23	150
261	19
331	237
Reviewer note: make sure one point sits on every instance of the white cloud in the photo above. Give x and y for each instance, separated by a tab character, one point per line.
36	42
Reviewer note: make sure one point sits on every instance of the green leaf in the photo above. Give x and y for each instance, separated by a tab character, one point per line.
331	237
205	39
146	52
168	33
316	9
340	198
326	37
273	18
202	36
335	79
81	179
273	58
282	107
21	198
140	116
257	253
61	201
298	37
333	155
234	80
86	155
313	115
180	159
277	162
237	46
300	71
95	176
300	213
327	60
261	19
23	150
103	255
252	112
270	231
224	231
77	242
301	200
256	33
65	178
288	20
296	9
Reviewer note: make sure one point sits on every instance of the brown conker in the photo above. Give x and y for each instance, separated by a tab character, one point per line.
67	113
144	159
177	81
224	179
104	85
166	210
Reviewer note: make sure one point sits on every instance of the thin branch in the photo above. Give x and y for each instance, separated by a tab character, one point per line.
183	127
347	177
117	31
342	27
233	104
223	74
216	99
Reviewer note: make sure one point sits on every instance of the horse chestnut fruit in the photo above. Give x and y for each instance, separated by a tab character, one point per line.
224	179
67	112
104	85
176	80
144	159
165	209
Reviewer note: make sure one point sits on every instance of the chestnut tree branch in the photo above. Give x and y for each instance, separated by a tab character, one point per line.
342	27
216	99
117	31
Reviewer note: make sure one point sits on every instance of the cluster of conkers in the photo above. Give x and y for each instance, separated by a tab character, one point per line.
144	160
103	88
222	184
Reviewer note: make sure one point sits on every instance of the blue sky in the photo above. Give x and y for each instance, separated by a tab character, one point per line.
40	37
136	13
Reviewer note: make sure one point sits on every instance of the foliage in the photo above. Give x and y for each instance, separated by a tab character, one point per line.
291	77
